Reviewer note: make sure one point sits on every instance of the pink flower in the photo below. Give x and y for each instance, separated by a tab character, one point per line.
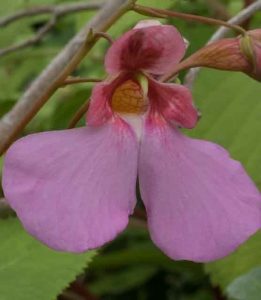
75	189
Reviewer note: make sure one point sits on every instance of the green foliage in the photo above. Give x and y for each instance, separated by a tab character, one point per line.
123	280
67	104
248	256
143	252
133	268
196	33
246	287
30	270
231	113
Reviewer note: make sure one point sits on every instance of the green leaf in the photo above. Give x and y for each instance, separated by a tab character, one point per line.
231	113
247	286
248	256
142	253
5	106
124	280
67	104
30	270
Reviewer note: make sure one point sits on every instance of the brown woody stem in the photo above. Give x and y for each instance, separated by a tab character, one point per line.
74	80
105	35
79	114
163	13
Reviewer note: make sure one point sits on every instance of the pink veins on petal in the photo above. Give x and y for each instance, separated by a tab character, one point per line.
75	189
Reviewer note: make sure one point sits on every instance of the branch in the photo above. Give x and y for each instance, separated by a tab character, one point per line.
246	23
237	19
79	114
164	13
106	36
37	38
59	10
58	70
74	80
56	11
221	33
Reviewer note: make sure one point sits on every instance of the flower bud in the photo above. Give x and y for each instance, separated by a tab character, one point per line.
242	54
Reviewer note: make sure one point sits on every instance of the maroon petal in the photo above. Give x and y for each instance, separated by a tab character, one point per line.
154	49
174	102
100	110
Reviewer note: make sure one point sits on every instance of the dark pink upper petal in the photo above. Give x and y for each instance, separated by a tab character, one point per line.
200	203
174	102
100	111
73	189
154	49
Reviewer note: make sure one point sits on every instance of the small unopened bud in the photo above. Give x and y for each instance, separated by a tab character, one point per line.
242	54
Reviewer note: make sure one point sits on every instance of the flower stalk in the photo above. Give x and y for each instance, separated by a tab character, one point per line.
164	13
79	114
74	80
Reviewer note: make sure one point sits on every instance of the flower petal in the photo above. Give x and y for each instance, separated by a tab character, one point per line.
200	203
174	102
100	110
73	189
154	49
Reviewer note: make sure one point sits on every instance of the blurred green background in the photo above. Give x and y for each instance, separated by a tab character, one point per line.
130	267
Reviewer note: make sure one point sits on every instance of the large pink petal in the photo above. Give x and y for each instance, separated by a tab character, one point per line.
200	203
154	49
73	189
174	102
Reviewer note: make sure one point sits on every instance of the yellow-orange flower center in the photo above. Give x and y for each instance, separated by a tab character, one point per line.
129	98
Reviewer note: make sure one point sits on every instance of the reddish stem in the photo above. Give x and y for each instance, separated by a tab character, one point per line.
79	114
73	80
163	13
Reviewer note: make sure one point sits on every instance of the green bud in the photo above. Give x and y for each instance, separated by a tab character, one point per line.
247	48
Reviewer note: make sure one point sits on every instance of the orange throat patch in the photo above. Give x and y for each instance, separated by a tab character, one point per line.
128	98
